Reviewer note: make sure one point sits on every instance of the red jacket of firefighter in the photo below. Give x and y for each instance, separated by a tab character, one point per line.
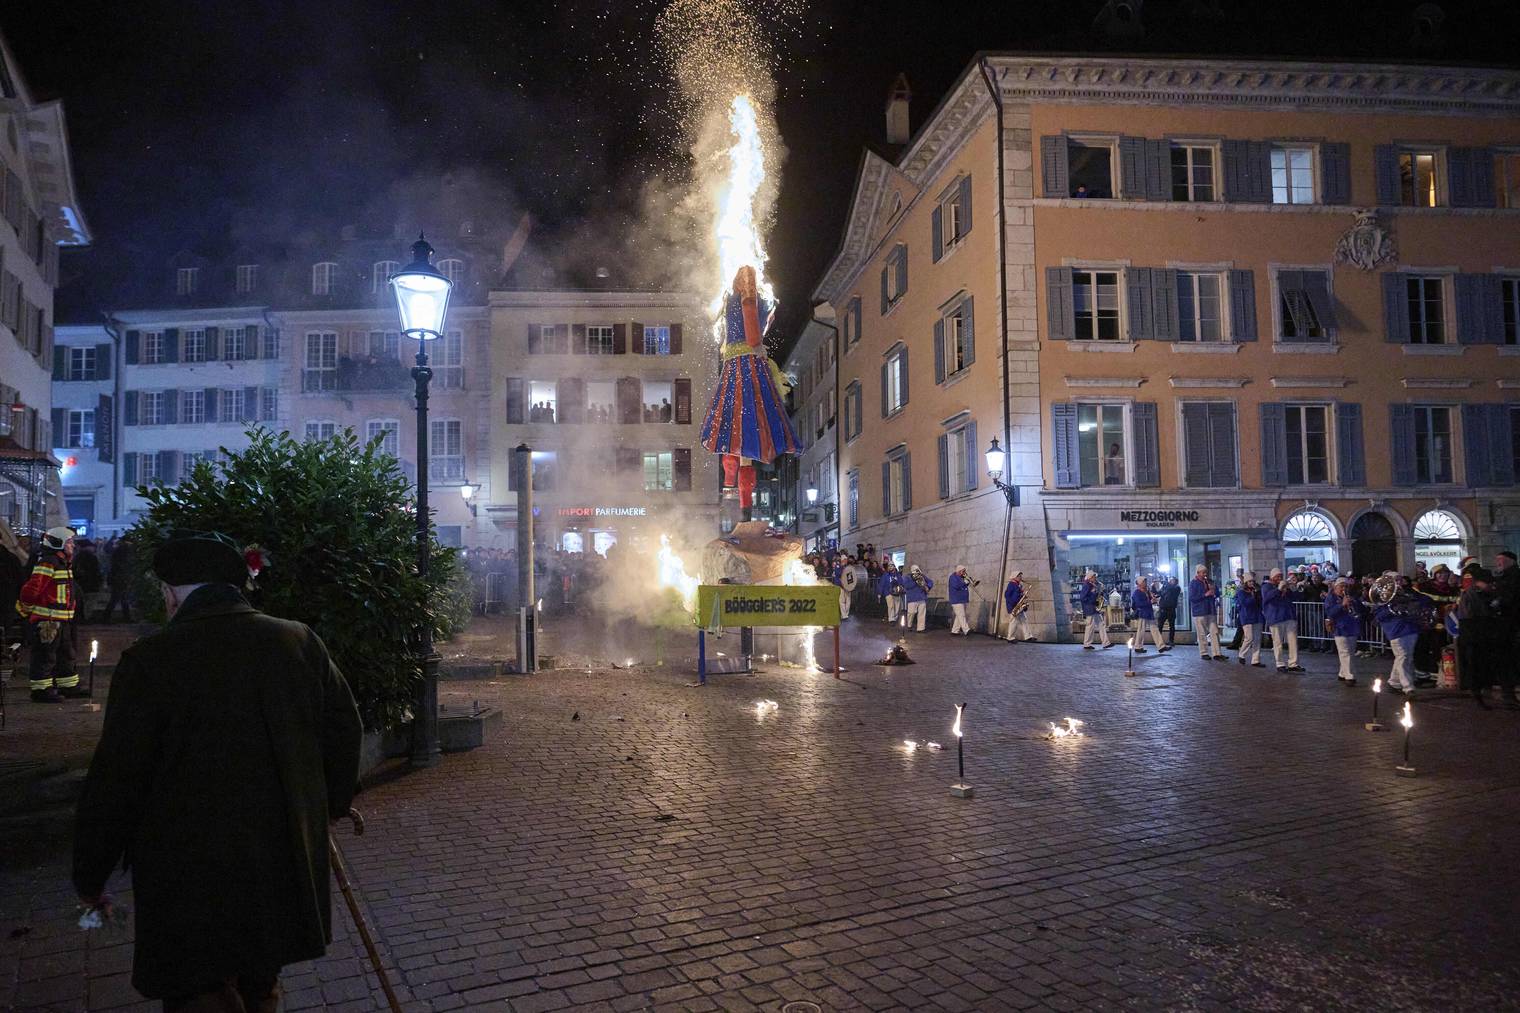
48	594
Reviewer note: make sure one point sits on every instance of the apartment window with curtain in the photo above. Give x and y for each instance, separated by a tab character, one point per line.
450	360
446	450
1432	444
1292	174
81	428
1308	433
1200	306
1192	172
321	369
895	382
321	429
1101	443
1417	179
1427	309
1095	303
897	484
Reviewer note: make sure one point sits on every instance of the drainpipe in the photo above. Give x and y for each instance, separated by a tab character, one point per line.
118	362
990	80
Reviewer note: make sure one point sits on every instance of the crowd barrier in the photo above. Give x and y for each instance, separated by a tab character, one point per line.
1311	628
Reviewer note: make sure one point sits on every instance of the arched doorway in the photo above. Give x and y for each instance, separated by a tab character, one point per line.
1374	545
1308	538
1438	539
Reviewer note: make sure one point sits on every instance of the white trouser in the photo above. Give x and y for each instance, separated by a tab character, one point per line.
1095	624
960	625
1285	634
844	604
1250	642
1018	626
1345	647
916	611
1206	628
1141	626
1403	652
893	604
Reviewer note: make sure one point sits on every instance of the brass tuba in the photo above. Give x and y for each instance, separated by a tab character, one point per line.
1384	589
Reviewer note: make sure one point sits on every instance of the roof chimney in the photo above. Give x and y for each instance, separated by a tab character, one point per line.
897	111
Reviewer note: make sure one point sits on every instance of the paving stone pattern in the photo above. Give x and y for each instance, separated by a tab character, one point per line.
1223	838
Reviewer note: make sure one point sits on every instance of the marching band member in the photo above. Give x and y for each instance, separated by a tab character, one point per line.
1345	614
842	564
1015	598
1145	615
960	597
1401	631
889	586
1277	611
1092	612
1203	603
916	588
1248	604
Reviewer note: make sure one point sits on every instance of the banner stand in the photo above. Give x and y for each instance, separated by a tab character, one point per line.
750	605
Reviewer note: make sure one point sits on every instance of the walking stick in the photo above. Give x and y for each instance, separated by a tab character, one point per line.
340	870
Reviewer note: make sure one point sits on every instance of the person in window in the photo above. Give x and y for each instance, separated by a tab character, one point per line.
666	412
548	412
1081	191
1113	466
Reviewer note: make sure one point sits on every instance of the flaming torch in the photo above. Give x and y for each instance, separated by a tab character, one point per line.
1129	661
960	789
94	653
1406	769
1375	725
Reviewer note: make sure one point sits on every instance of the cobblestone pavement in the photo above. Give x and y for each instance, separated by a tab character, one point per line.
1222	838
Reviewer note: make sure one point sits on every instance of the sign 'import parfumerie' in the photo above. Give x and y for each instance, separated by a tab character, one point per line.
731	605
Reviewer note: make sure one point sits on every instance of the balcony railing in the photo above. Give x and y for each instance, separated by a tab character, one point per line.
357	375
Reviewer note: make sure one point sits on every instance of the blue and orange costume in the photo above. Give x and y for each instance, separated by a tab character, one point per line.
747	421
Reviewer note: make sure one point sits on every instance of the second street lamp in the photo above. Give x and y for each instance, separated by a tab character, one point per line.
997	460
422	298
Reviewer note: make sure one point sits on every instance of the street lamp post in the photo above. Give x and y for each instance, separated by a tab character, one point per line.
422	297
997	460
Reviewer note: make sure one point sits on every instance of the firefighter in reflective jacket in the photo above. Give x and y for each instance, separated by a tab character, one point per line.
47	604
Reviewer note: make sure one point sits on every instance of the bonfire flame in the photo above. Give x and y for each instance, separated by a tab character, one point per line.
1072	729
764	707
1407	718
673	574
736	230
800	574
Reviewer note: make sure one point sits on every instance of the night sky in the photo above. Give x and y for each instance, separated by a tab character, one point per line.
201	125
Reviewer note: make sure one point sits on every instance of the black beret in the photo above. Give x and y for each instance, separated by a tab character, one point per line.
200	557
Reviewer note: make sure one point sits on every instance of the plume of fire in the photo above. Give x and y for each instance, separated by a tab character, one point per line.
799	574
736	230
1072	729
1407	717
764	707
957	728
1377	685
672	573
94	649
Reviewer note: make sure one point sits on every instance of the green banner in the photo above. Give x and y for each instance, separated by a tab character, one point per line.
730	605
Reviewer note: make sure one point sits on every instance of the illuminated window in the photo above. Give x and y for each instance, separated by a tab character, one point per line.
1417	179
1292	175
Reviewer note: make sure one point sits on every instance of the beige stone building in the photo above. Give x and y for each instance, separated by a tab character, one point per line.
1237	313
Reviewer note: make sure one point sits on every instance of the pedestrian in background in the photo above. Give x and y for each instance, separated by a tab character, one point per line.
1203	603
1166	609
960	597
1248	614
215	777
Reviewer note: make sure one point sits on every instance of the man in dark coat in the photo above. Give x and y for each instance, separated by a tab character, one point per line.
230	740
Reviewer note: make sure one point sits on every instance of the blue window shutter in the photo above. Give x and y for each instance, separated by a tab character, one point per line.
1158	170
1401	443
973	456
1472	321
1259	171
103	356
1501	444
1385	159
1459	177
886	488
1165	326
211	394
1063	438
1493	308
61	427
902	270
965	202
134	341
250	404
903	357
171	407
1222	463
937	228
1054	159
168	467
1479	456
213	344
939	350
1274	445
1482	169
129	408
60	362
1195	439
944	466
1350	457
1132	168
907	462
1316	285
1142	316
1236	157
171	345
855	308
968	327
885	411
1243	305
1335	172
885	268
129	470
1060	311
1147	444
1395	308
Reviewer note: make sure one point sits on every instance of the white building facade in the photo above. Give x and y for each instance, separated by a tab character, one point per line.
85	435
811	367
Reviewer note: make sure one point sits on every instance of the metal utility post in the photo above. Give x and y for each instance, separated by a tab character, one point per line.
527	600
425	748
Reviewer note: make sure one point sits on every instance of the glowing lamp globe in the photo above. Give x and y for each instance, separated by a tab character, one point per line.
997	458
812	495
422	294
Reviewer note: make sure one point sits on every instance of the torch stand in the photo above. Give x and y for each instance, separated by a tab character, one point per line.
1129	659
1405	769
960	789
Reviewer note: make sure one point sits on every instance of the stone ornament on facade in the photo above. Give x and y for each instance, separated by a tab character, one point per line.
1366	244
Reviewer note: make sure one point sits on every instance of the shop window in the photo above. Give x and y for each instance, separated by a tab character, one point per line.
1308	539
1101	444
1438	539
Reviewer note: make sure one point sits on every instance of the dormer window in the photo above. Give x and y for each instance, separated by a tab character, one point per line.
187	280
322	275
247	278
452	270
381	275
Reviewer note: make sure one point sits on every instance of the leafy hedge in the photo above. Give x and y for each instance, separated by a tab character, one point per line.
337	521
